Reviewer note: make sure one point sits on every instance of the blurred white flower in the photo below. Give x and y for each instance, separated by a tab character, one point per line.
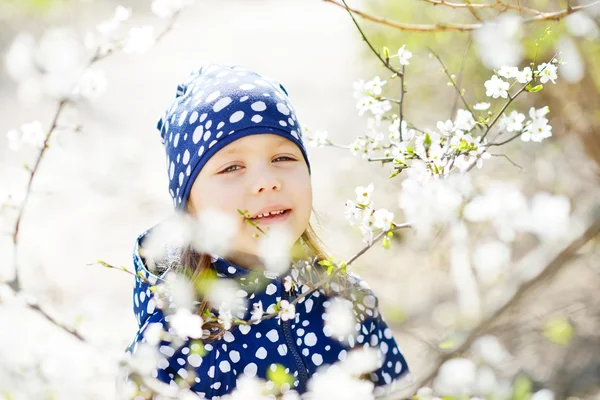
485	382
287	283
181	290
429	202
445	128
572	68
140	39
248	388
582	24
333	381
92	84
257	312
524	75
214	231
513	122
186	324
403	55
122	13
224	293
225	318
491	259
508	72
549	215
274	249
287	310
363	194
469	301
145	358
339	320
166	8
382	219
543	394
153	333
488	349
464	120
456	377
31	133
502	204
481	106
496	87
498	41
19	62
319	138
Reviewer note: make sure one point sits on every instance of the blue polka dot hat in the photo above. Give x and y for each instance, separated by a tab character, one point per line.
215	105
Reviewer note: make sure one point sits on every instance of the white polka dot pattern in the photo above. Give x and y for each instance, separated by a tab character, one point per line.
251	349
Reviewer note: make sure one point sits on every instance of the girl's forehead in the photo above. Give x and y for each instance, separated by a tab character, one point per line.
256	142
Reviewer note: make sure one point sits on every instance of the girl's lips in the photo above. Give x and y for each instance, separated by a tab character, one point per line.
272	219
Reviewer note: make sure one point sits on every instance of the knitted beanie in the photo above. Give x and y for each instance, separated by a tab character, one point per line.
215	105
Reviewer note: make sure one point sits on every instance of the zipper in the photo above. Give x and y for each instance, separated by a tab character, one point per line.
287	334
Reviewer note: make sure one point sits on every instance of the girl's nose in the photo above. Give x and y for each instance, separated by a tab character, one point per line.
266	181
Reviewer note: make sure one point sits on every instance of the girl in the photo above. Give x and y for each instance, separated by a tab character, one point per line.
234	144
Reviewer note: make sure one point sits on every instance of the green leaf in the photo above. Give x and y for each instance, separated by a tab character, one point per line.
558	330
386	243
197	347
279	377
330	270
386	52
534	89
522	389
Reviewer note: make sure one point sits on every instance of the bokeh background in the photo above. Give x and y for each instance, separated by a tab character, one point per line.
102	185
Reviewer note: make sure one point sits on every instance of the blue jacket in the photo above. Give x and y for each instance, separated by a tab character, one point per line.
301	345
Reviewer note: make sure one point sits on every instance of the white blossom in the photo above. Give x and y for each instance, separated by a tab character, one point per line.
549	216
257	312
363	194
481	106
445	128
353	213
403	55
456	377
31	133
508	72
166	8
464	120
513	122
334	381
525	75
547	72
537	129
91	84
319	138
488	349
491	259
374	86
383	219
225	318
186	324
496	87
543	394
339	320
139	40
287	310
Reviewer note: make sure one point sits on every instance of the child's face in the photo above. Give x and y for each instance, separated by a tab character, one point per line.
254	173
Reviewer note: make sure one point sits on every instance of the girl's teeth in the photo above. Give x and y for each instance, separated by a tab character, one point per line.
269	213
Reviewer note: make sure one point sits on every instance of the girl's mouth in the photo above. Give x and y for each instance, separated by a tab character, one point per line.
272	217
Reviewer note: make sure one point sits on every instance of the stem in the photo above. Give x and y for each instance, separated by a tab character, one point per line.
384	62
401	101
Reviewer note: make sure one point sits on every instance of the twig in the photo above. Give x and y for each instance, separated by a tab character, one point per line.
445	70
509	160
460	74
386	63
471	6
36	307
401	101
542	16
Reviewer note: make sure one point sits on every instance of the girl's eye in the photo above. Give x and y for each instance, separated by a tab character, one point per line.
286	158
230	169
